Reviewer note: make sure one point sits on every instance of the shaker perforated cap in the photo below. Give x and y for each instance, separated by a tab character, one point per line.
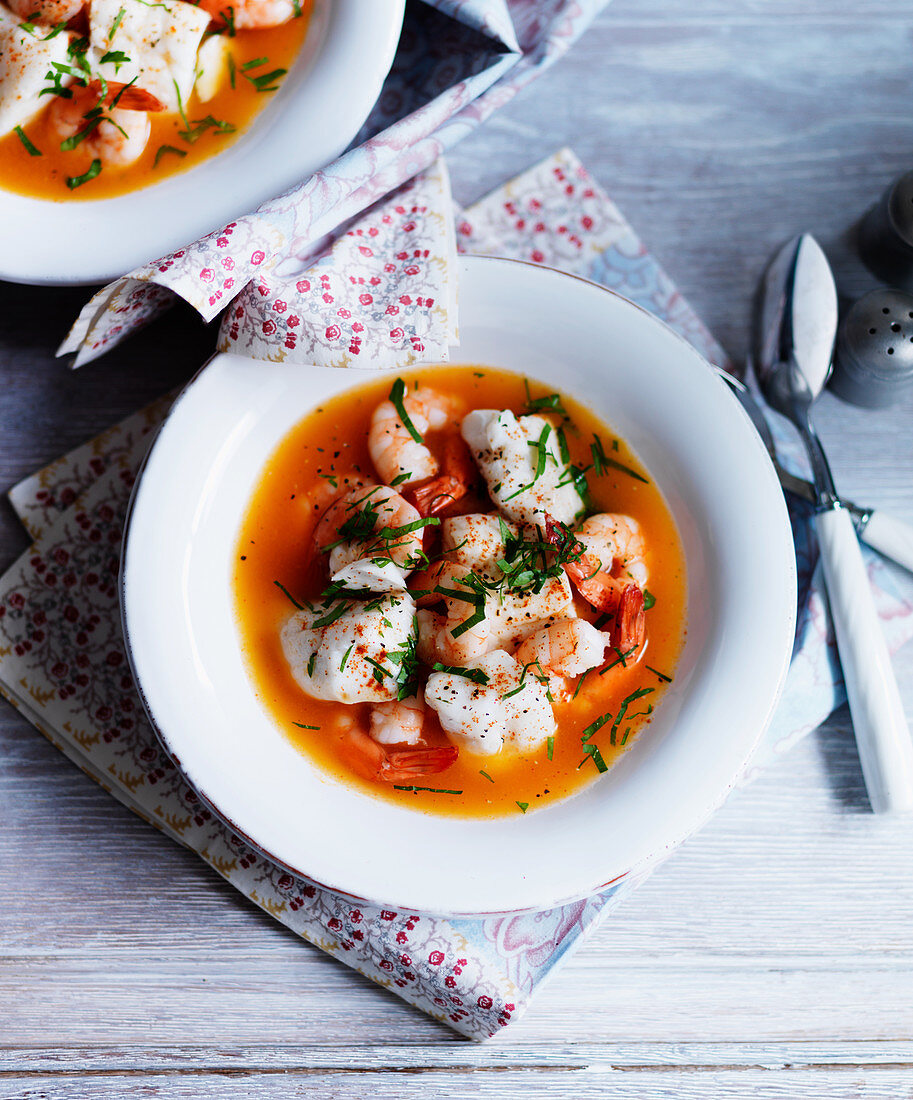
873	366
886	235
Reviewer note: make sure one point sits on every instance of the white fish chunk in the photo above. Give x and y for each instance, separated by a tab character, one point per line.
24	61
506	450
476	541
160	41
510	709
508	617
372	575
357	658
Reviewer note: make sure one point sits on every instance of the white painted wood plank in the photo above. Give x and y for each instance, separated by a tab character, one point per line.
584	1084
460	1056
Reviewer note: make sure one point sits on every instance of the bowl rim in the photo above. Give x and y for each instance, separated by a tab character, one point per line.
346	55
671	840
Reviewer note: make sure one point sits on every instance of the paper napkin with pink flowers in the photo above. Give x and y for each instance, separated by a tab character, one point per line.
62	659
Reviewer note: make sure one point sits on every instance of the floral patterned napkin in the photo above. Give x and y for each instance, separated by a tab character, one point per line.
458	60
62	660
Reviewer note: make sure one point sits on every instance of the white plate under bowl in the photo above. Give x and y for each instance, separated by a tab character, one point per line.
694	440
319	108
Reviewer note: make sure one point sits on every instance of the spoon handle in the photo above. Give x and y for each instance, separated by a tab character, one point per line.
889	536
882	734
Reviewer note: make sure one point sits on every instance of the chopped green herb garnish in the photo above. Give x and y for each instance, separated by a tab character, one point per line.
475	595
228	14
619	660
191	133
639	694
253	64
477	675
29	147
399	479
116	57
118	19
330	616
602	462
290	596
407	528
595	727
542	456
231	69
163	150
200	126
77	181
550	403
311	662
397	394
580	682
596	756
302	726
487	776
665	679
649	599
524	806
550	746
431	790
563	448
70	143
345	658
267	81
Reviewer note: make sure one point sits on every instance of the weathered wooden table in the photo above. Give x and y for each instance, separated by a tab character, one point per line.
773	955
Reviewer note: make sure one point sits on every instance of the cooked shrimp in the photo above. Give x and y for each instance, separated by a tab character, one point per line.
48	12
370	522
119	134
398	722
604	577
250	14
503	703
396	453
568	647
382	764
610	536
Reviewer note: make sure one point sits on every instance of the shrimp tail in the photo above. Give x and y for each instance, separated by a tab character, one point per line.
127	97
561	536
437	495
630	619
434	497
382	764
405	764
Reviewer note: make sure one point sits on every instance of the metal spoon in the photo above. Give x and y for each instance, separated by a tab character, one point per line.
798	315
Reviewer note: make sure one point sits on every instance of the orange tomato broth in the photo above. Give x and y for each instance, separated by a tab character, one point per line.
275	544
45	177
